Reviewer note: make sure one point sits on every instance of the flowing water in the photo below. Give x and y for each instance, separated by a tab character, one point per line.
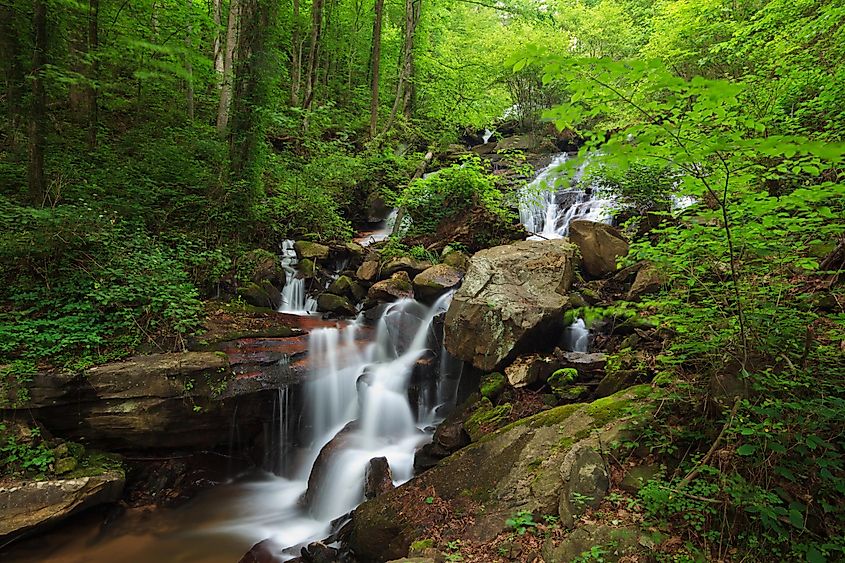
294	298
359	376
546	208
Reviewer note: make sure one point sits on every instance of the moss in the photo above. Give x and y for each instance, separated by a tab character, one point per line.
615	406
663	379
550	417
492	385
306	268
486	418
562	382
95	463
421	545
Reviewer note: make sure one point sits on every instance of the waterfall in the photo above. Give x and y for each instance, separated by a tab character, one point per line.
294	298
369	387
488	134
546	209
576	337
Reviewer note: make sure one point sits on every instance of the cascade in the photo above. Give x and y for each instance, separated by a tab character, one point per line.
546	210
294	298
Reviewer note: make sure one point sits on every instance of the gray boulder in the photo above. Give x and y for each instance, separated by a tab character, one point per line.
512	296
600	245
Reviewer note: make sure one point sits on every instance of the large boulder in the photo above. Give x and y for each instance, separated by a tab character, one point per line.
311	250
437	280
378	478
347	287
259	265
27	505
398	286
409	264
368	271
600	245
537	464
335	304
512	296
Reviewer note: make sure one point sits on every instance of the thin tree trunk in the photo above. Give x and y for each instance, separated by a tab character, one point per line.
38	113
93	45
296	58
228	67
219	39
313	52
13	72
404	86
376	64
189	67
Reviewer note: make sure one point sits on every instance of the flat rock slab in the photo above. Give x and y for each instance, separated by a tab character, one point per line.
27	505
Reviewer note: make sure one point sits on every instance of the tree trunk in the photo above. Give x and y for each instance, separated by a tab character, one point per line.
313	52
38	112
228	67
189	67
404	87
376	65
14	78
296	58
219	39
91	91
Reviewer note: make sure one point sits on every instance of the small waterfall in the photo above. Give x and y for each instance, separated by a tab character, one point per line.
576	337
294	298
488	134
546	210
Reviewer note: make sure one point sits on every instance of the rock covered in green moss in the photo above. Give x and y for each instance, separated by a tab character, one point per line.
256	296
517	467
330	303
347	287
306	268
492	385
312	250
396	287
486	418
437	280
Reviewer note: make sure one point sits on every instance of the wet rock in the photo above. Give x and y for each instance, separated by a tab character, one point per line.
321	465
585	482
588	364
377	208
517	142
518	467
347	287
306	268
266	551
408	264
378	478
512	298
615	542
311	250
435	281
616	381
526	370
330	303
600	245
396	287
368	271
318	552
27	505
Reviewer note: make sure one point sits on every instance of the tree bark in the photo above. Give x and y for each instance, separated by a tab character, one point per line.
189	67
10	51
404	87
296	58
38	112
93	67
219	39
313	52
228	67
376	65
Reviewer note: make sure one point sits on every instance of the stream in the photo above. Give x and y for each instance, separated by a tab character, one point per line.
357	404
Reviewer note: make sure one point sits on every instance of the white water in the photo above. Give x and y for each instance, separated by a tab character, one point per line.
546	208
294	298
576	337
488	134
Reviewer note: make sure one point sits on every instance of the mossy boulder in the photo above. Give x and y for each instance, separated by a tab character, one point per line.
455	258
347	287
336	304
492	385
486	418
312	250
615	543
273	293
412	266
518	467
256	296
258	265
306	268
396	287
435	281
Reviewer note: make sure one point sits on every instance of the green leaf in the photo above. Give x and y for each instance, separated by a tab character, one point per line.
746	449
